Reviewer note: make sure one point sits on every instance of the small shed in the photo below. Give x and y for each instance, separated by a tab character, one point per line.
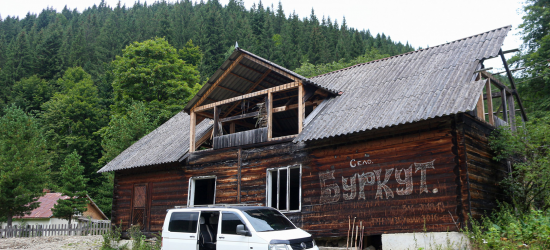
400	144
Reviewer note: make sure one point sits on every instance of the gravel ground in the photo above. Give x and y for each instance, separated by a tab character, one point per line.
53	242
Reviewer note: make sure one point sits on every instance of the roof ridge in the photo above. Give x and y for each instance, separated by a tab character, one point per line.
391	57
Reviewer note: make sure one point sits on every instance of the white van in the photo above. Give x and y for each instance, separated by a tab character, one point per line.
232	227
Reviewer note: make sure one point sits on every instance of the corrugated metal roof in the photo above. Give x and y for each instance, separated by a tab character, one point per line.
167	143
47	202
406	88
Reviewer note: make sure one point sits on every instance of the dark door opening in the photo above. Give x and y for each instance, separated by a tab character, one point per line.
204	191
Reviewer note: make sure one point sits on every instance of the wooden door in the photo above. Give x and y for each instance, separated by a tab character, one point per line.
139	206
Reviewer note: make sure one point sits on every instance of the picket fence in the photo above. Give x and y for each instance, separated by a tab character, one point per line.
99	228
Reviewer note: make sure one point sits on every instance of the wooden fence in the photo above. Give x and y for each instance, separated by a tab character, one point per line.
53	230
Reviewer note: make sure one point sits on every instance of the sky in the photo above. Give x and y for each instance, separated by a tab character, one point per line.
420	22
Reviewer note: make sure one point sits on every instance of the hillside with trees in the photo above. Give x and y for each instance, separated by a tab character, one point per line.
80	75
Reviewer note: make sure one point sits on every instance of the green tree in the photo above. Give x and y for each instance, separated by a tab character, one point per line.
73	186
122	132
24	162
153	72
528	153
71	117
30	93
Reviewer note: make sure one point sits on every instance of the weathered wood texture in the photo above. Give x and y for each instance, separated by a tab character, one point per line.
484	174
167	187
400	179
241	138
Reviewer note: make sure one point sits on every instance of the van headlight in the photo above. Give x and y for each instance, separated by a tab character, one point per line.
278	247
313	241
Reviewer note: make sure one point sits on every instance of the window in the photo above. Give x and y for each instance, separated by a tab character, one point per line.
230	221
202	191
183	222
284	190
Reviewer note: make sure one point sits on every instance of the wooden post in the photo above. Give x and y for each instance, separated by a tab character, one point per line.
512	110
216	121
504	108
480	108
269	115
301	107
232	128
239	163
489	102
192	120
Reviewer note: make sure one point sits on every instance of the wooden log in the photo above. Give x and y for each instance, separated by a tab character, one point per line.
489	102
269	115
301	107
240	117
232	128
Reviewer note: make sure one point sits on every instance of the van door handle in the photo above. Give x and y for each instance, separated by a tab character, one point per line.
191	236
221	237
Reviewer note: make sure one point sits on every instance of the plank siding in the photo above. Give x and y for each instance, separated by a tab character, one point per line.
462	177
484	173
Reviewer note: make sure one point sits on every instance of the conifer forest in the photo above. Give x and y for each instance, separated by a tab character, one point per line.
64	68
77	87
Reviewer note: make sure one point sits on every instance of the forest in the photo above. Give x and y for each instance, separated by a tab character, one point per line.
66	72
77	88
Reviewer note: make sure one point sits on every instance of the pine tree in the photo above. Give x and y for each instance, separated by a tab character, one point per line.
24	162
73	186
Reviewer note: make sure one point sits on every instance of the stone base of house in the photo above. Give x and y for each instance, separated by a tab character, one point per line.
426	241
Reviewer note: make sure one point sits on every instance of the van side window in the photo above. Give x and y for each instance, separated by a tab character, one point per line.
183	222
230	221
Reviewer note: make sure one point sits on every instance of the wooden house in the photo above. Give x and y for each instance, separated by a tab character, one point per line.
400	143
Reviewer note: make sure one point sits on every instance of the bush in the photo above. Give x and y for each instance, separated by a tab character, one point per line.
139	240
508	229
111	240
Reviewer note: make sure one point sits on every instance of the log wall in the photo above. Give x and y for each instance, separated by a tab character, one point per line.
408	178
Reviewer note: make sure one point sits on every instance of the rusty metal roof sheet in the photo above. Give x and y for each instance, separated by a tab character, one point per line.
47	202
411	87
168	143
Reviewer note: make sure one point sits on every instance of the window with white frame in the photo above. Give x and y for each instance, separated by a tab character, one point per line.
202	190
284	188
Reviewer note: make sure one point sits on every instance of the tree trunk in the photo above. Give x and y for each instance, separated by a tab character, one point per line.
9	217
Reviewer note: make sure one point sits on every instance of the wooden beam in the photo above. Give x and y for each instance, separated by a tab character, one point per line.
489	97
240	117
284	87
269	115
503	104
192	125
216	121
228	89
509	74
250	81
301	107
496	95
512	111
480	108
232	128
215	84
248	91
295	106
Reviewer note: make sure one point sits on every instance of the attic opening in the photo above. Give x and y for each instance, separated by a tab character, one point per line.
250	101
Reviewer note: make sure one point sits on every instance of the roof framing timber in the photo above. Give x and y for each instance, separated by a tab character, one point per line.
280	88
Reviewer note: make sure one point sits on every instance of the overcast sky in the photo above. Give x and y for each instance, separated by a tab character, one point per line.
420	22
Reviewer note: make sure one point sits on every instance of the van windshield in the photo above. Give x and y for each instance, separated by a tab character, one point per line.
267	220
